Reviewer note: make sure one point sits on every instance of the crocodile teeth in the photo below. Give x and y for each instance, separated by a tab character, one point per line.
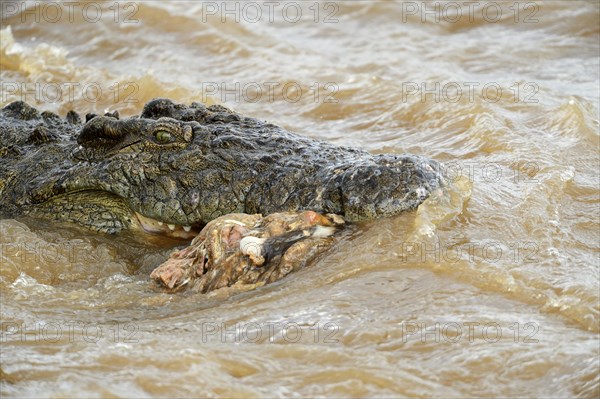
172	230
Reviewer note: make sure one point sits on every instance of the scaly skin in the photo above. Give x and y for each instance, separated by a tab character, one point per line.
187	165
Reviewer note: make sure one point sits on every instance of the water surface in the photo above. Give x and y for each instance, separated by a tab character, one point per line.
490	291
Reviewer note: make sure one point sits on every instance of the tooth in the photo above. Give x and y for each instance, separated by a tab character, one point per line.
171	226
187	228
160	223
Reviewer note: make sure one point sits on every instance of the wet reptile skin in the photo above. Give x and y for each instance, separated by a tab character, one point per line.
187	165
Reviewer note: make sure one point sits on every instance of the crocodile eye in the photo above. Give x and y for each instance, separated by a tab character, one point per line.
163	137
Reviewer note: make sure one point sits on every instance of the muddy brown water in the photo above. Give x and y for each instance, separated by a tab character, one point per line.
492	290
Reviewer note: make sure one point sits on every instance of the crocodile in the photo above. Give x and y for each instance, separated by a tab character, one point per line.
175	167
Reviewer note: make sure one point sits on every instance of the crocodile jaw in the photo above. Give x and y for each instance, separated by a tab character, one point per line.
154	226
106	212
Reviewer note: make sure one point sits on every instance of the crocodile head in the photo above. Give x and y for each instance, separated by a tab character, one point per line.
135	173
175	168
